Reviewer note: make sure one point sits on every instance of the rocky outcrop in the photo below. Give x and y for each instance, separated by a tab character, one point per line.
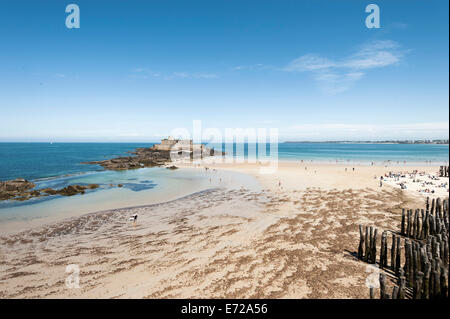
69	190
13	188
148	157
143	157
21	189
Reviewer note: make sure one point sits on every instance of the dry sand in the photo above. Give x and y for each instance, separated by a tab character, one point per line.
295	237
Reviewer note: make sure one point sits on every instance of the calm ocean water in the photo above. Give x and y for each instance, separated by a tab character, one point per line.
59	164
43	160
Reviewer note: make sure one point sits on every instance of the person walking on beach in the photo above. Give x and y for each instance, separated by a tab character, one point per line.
134	218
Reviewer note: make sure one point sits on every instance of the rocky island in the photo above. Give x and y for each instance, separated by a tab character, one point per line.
157	155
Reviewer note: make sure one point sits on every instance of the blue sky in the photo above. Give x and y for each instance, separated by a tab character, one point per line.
135	70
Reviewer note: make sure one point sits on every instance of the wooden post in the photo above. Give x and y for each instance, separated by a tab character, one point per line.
444	282
438	207
418	224
383	252
415	263
422	221
398	258
382	285
423	257
408	227
410	269
417	293
426	281
437	251
426	225
374	247
393	252
432	225
414	226
437	283
395	292
402	288
403	223
405	267
446	256
361	243
366	241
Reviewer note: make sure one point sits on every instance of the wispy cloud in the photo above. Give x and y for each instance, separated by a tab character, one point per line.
336	76
144	73
257	66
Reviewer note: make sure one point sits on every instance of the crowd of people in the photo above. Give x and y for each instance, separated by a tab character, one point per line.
428	183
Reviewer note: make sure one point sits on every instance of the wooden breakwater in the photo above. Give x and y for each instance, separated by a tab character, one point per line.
417	256
443	171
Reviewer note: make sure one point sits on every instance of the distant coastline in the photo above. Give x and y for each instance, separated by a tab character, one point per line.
434	142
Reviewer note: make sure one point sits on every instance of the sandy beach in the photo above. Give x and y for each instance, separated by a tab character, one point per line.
291	234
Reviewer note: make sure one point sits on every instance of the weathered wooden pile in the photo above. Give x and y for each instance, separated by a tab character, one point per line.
418	256
443	171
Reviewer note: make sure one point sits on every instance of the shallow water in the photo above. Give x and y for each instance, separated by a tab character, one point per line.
140	187
58	165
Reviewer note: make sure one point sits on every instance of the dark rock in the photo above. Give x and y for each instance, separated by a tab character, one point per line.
14	188
21	190
143	157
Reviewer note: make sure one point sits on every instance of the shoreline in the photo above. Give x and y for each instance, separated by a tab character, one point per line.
291	234
88	205
246	169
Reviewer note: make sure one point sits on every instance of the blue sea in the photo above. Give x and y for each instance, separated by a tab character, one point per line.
44	160
57	165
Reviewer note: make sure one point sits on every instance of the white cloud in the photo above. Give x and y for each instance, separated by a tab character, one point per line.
309	62
258	66
336	76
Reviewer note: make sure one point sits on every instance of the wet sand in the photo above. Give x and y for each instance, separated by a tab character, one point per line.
293	237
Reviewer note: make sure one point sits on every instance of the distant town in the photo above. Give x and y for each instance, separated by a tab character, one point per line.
379	142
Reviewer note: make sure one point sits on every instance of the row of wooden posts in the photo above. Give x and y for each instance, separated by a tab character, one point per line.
421	223
443	171
420	262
